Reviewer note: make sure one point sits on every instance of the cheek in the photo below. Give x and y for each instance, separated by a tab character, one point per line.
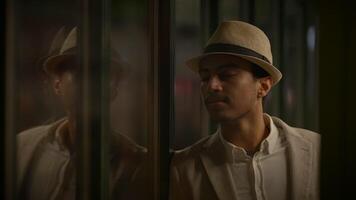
203	89
243	93
69	87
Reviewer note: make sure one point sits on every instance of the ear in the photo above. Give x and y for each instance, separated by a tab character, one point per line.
57	86
113	93
265	85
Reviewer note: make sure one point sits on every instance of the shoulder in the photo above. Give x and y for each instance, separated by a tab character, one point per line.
126	146
297	133
32	132
32	137
127	162
308	135
27	143
191	153
129	144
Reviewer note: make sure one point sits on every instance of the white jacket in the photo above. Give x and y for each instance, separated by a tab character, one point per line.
126	163
200	171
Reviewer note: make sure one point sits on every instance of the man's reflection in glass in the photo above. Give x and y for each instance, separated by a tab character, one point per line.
47	154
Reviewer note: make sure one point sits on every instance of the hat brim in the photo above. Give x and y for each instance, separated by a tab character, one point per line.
276	75
51	63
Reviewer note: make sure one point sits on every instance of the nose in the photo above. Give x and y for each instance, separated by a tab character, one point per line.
214	84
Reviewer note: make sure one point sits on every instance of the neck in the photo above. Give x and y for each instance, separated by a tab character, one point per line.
69	136
246	132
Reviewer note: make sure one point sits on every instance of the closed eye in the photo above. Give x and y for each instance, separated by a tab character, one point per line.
227	74
228	70
204	76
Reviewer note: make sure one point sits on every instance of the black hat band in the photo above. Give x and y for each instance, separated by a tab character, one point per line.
229	48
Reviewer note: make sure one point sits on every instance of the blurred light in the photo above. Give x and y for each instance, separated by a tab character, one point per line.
311	38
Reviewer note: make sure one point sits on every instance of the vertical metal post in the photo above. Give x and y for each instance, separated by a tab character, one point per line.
306	117
153	159
2	102
252	13
281	55
209	18
166	89
10	102
93	109
161	48
311	69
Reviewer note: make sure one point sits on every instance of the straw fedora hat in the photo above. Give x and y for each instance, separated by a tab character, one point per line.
66	48
243	40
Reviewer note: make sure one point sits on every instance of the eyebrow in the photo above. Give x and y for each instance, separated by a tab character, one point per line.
220	67
227	66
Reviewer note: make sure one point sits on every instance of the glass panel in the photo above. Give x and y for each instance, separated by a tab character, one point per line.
50	86
129	39
36	25
291	29
131	109
191	118
293	63
311	116
267	17
43	100
233	10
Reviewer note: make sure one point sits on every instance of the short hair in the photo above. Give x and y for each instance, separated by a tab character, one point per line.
258	72
69	64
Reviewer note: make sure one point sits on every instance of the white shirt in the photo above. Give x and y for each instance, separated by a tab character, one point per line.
263	176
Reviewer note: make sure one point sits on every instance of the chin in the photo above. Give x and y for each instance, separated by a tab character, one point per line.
223	116
219	117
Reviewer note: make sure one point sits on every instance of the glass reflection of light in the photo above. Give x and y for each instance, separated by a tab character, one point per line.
289	97
311	38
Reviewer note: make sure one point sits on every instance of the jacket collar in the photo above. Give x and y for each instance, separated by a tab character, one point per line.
268	145
214	160
27	144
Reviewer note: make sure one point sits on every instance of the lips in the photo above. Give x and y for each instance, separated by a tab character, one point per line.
216	99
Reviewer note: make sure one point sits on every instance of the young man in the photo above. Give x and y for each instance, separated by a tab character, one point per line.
47	154
252	155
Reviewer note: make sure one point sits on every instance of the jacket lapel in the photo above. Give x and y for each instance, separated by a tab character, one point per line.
300	158
26	148
216	166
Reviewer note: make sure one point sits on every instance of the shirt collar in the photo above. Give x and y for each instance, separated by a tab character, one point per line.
236	153
58	135
269	143
58	141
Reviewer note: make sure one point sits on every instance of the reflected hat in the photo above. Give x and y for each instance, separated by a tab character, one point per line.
240	39
65	48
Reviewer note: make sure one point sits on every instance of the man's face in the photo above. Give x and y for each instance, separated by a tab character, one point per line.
66	85
228	87
66	89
